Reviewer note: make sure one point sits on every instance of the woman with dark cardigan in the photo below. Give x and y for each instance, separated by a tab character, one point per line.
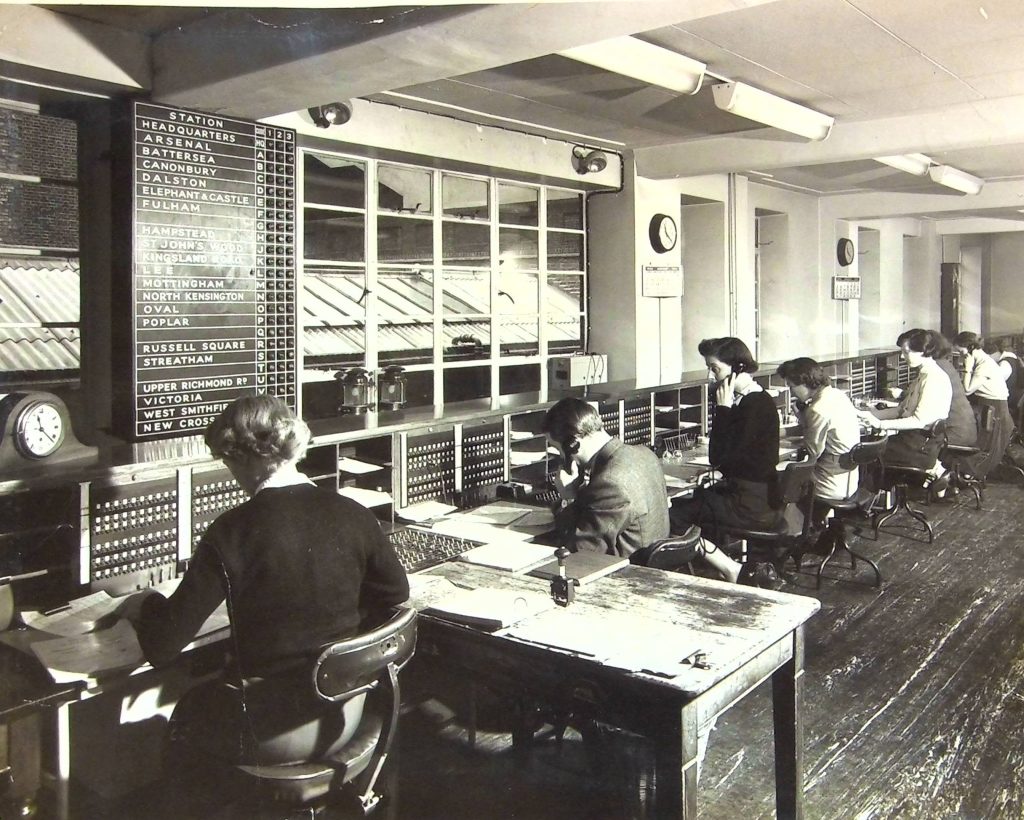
300	567
744	448
961	425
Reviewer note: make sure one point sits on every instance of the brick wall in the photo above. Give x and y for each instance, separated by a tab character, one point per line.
38	214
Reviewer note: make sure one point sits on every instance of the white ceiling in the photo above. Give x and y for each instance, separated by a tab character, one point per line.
940	77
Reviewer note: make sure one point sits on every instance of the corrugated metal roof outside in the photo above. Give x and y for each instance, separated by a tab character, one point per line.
40	349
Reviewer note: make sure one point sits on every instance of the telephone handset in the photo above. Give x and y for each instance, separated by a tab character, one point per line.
569	447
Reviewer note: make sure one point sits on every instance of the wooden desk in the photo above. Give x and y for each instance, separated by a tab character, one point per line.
749	635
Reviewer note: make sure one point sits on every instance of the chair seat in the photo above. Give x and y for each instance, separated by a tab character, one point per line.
301	783
858	501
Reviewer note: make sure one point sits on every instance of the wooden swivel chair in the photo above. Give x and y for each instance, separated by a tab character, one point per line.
899	478
365	664
835	537
796	487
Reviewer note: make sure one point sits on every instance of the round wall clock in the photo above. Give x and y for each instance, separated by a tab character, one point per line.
845	252
663	232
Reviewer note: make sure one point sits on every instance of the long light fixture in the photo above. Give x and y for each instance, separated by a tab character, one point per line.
746	101
635	58
955	179
916	164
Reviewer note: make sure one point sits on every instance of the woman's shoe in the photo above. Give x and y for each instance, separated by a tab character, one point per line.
760	574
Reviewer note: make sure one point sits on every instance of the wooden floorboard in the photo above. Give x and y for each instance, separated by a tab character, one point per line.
913	702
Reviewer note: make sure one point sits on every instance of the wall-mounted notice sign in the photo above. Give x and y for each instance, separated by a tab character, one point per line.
213	264
661	281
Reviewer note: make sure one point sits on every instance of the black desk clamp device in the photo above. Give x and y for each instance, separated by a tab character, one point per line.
563	589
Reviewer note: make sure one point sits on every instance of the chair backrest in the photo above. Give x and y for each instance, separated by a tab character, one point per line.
796	486
867	451
354	665
937	429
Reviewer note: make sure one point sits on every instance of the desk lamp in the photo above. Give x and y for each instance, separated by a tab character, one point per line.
356	385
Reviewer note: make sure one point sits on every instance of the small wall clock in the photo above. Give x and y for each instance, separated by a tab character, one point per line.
663	233
845	252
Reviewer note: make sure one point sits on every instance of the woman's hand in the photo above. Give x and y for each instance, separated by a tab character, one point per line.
870	419
725	394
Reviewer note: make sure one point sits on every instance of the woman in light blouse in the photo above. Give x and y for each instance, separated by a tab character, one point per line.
828	421
926	400
986	387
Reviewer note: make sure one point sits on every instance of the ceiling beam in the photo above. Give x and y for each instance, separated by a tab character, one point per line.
883	204
970	125
37	38
260	63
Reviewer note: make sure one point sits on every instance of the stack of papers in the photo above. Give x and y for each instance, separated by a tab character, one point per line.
516	556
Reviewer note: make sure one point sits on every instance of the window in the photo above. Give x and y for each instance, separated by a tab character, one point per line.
468	282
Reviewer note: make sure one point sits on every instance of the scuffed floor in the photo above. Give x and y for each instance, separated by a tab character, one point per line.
913	704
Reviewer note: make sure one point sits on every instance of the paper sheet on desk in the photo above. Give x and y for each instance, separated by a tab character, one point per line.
699	461
484	533
80	616
513	556
368	498
498	513
424	511
82	657
624	641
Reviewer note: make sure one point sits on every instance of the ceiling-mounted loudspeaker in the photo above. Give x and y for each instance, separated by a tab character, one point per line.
588	161
335	113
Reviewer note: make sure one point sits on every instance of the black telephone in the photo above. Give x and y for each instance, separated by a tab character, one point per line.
569	447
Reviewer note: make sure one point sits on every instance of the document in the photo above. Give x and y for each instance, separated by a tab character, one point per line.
484	533
499	513
368	498
84	657
513	556
354	465
425	511
77	618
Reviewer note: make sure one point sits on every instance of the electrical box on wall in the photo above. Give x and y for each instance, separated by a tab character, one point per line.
846	287
577	371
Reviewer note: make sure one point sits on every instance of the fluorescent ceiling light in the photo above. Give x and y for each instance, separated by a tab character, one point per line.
652	64
916	164
746	101
957	180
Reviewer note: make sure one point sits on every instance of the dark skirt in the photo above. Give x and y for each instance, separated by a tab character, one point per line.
733	503
912	448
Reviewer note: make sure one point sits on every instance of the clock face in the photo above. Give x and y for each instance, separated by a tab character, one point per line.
845	252
663	233
39	430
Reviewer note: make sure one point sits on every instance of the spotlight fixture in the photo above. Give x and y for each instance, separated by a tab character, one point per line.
644	61
746	101
335	113
588	161
955	179
916	164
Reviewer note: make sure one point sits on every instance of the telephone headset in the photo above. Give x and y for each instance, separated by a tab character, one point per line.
570	447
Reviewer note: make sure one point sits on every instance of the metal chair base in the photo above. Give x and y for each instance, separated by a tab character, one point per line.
901	502
836	534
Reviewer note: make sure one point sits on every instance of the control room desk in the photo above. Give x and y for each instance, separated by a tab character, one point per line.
748	635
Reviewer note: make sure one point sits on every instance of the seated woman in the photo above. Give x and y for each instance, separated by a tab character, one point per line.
1012	370
985	388
961	426
829	424
744	448
300	566
926	400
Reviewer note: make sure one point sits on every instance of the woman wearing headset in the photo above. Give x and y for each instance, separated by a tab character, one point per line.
744	448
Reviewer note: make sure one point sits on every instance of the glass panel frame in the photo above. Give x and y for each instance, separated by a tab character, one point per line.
518	205
411	189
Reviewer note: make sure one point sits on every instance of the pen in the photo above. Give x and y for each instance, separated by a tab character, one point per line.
56	610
